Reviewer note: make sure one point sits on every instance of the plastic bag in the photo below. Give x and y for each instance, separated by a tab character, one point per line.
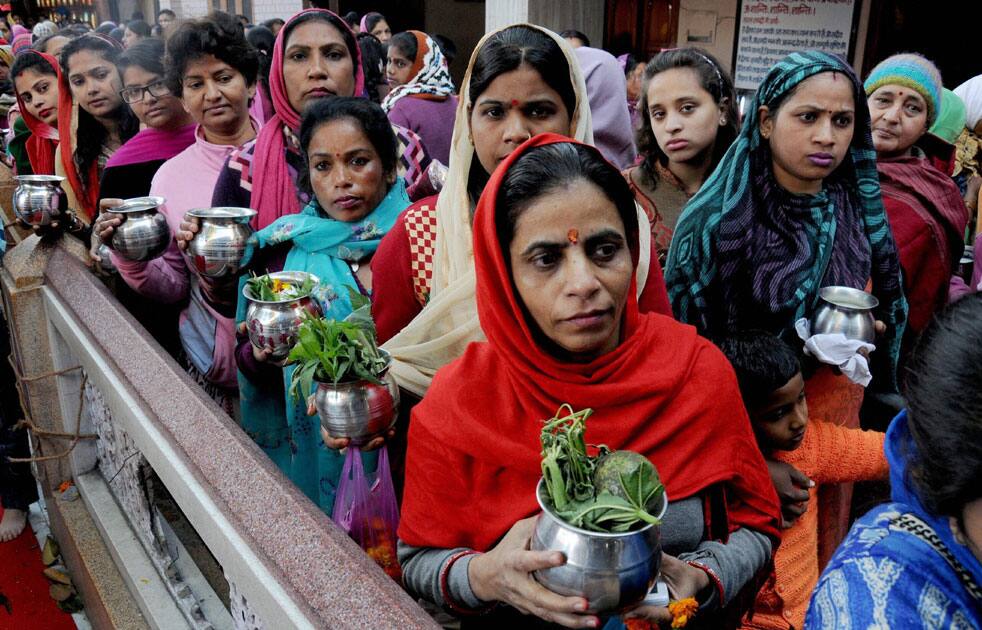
366	509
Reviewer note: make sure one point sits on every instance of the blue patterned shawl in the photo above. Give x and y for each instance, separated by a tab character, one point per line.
748	254
885	577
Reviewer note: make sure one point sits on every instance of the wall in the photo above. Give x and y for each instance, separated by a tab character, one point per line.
559	15
463	22
697	18
263	10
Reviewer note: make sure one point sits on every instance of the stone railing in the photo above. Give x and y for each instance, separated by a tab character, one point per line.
154	438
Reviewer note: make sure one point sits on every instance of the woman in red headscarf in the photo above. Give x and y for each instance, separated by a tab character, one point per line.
555	250
36	78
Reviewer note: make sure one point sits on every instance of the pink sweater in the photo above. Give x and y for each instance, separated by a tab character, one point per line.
187	181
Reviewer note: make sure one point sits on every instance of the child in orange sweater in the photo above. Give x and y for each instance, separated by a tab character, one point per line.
774	393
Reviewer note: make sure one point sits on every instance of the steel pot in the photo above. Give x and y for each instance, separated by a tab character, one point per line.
216	250
143	235
359	410
847	311
273	325
39	199
614	572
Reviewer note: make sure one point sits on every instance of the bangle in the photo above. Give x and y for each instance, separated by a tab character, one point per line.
454	606
713	579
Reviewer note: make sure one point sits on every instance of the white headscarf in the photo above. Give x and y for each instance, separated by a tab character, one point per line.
448	322
971	93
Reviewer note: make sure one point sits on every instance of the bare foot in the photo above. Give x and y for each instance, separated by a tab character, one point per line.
12	524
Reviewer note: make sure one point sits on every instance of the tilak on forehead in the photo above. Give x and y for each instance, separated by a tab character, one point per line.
573	236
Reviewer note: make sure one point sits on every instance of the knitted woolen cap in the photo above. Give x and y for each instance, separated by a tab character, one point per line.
913	71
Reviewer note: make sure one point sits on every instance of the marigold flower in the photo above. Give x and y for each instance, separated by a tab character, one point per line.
682	611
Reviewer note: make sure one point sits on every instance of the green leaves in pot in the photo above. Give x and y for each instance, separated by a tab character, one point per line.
607	492
334	351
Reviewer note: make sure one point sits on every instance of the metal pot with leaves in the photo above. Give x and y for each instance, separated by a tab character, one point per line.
340	363
603	510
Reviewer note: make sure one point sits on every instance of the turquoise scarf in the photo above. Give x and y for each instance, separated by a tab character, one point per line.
325	248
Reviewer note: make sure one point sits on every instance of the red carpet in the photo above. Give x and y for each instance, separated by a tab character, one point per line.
26	589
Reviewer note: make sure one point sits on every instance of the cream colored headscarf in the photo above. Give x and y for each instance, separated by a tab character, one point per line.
448	322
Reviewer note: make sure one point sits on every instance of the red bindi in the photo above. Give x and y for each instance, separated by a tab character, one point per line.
573	236
514	103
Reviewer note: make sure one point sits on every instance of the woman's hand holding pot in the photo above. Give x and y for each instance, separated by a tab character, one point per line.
189	227
504	574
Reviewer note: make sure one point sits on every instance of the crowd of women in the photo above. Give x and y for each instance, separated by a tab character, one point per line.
517	259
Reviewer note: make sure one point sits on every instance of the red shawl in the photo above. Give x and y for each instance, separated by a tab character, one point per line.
473	460
44	138
928	217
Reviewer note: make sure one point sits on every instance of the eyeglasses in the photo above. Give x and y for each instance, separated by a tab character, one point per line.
135	94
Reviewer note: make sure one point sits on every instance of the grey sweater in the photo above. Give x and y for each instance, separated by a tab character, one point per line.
682	533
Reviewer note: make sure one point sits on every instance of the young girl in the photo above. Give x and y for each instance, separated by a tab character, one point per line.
350	152
688	120
167	126
36	77
93	120
422	96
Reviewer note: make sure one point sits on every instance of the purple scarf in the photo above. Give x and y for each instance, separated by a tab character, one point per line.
151	145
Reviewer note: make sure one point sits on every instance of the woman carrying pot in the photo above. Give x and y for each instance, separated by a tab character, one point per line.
212	69
521	81
556	255
356	196
794	206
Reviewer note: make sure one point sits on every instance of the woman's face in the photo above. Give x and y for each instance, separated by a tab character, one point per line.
4	30
382	31
346	172
158	112
216	95
899	118
515	106
398	69
572	269
811	131
4	71
95	83
316	64
130	38
684	117
40	94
